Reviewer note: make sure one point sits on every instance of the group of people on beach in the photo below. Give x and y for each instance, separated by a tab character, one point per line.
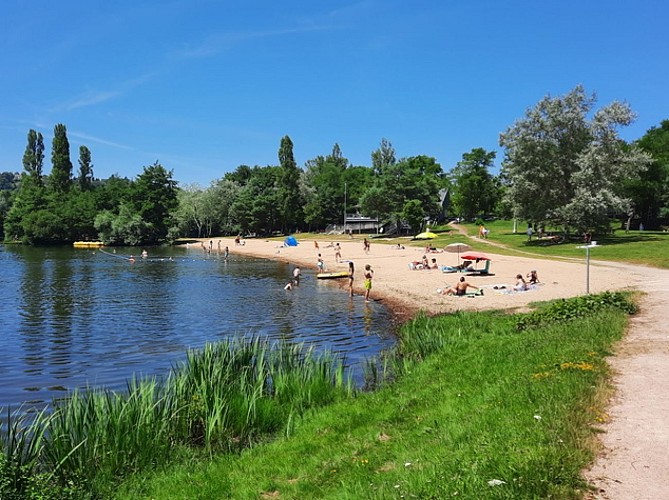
460	288
321	268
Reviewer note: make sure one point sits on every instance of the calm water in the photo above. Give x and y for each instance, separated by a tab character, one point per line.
76	318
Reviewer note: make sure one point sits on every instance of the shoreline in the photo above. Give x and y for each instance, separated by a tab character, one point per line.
407	292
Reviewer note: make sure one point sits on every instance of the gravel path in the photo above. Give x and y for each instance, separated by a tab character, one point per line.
634	462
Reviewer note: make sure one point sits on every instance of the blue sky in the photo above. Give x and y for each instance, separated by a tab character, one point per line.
204	86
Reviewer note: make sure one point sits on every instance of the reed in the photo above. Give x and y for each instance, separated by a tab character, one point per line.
223	397
22	442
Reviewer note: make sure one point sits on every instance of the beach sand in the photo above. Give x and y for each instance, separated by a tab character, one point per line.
407	291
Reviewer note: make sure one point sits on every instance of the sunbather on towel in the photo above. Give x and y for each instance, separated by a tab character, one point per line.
460	288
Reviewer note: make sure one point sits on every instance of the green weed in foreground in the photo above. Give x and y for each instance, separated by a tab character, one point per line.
480	410
223	398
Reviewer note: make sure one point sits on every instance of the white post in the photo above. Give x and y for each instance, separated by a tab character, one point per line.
587	265
587	269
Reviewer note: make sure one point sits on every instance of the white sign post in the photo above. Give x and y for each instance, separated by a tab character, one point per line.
587	264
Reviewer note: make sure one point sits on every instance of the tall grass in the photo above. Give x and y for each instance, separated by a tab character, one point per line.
221	398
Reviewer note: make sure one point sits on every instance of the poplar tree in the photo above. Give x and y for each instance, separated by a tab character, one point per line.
60	179
85	178
290	201
33	158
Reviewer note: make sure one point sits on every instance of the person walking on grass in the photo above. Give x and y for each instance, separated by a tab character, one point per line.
369	275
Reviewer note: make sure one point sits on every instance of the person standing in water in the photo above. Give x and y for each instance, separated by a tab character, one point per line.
351	271
369	275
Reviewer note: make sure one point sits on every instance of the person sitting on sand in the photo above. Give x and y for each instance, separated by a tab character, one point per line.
532	277
460	288
434	265
521	284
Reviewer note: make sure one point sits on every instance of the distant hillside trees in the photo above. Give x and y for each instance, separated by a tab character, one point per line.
565	166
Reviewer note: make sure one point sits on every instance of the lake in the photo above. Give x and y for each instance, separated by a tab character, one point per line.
75	318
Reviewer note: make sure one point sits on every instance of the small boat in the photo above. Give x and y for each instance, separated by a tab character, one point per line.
87	244
329	276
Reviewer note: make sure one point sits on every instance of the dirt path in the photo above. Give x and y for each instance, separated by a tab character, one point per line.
634	461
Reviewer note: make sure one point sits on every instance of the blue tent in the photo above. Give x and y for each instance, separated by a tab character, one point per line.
290	241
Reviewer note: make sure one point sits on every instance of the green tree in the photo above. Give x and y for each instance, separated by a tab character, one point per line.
123	228
30	198
256	207
111	192
383	157
60	178
33	158
650	192
290	200
85	178
565	168
474	189
413	214
153	197
324	183
396	182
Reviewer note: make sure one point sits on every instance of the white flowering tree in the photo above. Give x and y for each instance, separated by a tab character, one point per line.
566	168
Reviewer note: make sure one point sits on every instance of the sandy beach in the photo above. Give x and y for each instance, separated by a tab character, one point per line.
408	291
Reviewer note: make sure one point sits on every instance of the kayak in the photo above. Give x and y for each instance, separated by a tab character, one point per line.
329	276
87	244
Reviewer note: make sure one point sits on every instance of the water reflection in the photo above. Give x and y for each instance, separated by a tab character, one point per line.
74	318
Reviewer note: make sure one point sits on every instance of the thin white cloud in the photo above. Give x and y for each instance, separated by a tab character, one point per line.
93	97
218	43
88	99
90	138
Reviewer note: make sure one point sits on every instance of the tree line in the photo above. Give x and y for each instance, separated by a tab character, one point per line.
564	166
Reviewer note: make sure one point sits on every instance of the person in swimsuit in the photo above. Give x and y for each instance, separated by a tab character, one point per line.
460	288
369	274
351	271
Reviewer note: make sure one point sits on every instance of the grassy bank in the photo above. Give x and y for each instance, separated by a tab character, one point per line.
485	406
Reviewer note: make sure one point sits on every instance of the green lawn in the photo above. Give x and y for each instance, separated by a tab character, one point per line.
637	247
